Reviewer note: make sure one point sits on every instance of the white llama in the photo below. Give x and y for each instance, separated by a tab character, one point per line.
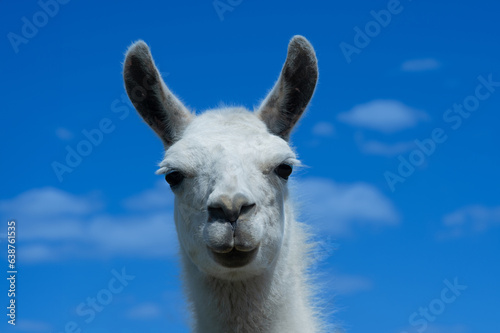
244	256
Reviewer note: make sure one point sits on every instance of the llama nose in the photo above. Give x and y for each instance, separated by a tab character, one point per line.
230	208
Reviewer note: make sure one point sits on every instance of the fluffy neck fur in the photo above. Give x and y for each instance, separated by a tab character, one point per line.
277	301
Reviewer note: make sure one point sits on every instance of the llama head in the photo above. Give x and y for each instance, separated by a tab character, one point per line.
228	168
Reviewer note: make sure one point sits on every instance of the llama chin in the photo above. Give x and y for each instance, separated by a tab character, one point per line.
244	255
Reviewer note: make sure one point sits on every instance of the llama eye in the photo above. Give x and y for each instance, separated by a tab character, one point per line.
174	178
283	170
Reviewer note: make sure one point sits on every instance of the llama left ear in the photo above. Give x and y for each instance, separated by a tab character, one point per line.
156	104
289	97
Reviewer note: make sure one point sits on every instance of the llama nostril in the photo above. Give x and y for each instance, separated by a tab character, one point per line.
229	210
216	213
247	209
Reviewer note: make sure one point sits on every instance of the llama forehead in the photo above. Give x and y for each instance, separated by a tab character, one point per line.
233	137
234	123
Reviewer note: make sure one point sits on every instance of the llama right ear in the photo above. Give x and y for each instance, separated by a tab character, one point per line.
163	112
289	97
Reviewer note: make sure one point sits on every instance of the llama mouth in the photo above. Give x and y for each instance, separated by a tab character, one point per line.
234	258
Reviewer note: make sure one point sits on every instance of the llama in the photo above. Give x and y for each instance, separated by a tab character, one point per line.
243	255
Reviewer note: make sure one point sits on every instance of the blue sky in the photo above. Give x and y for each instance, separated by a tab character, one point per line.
401	143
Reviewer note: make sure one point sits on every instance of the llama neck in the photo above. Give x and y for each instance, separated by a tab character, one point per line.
276	301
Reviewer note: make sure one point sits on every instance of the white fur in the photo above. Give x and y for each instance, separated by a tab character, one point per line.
232	152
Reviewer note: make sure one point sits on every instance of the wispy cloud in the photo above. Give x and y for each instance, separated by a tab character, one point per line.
373	147
48	202
324	129
56	225
386	116
346	284
340	209
469	220
27	325
145	311
420	65
156	198
385	149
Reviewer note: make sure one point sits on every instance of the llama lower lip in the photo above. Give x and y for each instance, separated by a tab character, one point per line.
234	258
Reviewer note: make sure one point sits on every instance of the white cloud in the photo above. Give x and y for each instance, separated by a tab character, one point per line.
55	225
341	208
385	149
47	202
419	65
324	129
157	198
373	147
470	220
26	325
53	228
345	284
146	235
387	116
142	235
34	253
145	311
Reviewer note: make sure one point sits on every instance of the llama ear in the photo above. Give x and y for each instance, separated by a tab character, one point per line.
163	112
289	97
